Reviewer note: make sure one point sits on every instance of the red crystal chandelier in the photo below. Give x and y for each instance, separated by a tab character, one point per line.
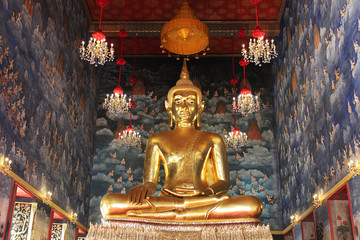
246	102
129	137
97	51
260	49
235	138
117	102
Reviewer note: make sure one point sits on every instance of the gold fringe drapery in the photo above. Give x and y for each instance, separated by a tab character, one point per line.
185	34
146	230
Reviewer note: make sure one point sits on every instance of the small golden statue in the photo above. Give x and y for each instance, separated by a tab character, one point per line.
196	170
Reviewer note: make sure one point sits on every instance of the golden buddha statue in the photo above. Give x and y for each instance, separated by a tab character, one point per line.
196	170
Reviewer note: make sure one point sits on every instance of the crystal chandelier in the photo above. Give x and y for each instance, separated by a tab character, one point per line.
97	51
260	49
235	138
116	102
246	102
130	137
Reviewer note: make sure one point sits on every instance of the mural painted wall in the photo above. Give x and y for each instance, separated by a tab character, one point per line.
317	90
47	100
253	169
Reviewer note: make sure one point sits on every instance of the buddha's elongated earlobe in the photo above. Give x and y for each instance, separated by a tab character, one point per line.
168	109
198	121
171	122
201	109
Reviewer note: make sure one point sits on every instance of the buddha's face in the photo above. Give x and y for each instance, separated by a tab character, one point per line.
184	106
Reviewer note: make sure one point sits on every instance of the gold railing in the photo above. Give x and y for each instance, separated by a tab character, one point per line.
5	167
319	200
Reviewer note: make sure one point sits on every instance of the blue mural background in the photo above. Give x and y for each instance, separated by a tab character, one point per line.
47	99
253	169
316	92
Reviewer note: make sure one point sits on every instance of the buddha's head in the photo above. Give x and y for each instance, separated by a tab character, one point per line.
184	102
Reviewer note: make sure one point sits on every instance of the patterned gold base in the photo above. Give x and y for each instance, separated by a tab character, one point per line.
141	229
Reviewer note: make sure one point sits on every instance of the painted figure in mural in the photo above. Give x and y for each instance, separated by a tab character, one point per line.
196	170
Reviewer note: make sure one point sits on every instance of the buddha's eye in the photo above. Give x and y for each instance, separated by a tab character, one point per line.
178	101
190	101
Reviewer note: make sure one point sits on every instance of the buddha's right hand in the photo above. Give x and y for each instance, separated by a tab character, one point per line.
138	194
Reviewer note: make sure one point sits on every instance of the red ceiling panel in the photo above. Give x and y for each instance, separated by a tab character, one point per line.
147	16
162	10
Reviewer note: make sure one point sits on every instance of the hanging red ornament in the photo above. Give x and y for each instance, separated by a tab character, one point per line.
236	131
133	79
242	33
243	63
123	33
234	80
98	35
120	61
130	129
132	104
118	90
245	90
258	32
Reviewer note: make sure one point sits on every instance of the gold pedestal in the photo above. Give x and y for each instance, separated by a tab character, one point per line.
142	229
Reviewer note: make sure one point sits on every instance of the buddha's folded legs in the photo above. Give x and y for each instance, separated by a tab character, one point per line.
118	204
237	207
242	207
209	207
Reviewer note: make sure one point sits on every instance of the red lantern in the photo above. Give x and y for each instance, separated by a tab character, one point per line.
120	61
118	90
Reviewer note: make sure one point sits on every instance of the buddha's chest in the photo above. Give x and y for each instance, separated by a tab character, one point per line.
186	155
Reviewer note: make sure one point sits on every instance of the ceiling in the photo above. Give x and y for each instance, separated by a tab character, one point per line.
145	19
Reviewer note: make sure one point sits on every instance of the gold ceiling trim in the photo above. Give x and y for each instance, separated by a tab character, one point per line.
153	28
